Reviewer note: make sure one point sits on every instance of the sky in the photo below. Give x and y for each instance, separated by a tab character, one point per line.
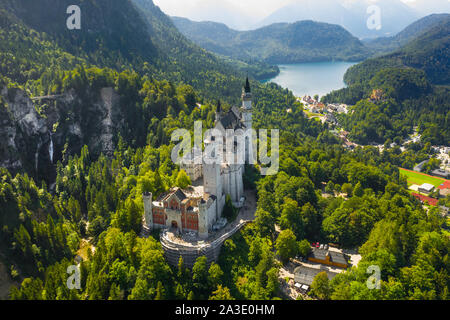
256	9
253	8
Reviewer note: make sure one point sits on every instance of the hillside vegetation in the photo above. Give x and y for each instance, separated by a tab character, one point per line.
416	29
303	41
414	92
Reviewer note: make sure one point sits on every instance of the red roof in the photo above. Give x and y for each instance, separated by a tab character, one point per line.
445	185
431	201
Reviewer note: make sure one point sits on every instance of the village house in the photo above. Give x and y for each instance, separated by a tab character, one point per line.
444	189
441	173
426	188
328	257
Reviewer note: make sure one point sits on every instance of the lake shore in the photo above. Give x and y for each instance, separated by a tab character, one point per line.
312	78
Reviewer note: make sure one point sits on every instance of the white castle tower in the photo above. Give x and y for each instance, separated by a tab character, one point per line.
212	180
203	219
247	119
148	210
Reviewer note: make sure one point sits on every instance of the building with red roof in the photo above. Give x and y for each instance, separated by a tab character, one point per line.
444	189
424	199
445	185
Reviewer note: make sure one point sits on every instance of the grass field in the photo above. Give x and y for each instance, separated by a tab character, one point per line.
421	178
309	114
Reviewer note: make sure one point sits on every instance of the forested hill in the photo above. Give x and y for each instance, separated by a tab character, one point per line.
303	41
184	52
416	29
407	88
119	76
429	52
92	113
129	34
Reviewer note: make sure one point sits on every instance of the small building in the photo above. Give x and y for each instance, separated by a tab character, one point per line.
377	95
444	210
425	199
441	173
426	188
329	258
304	276
419	167
331	118
444	189
349	145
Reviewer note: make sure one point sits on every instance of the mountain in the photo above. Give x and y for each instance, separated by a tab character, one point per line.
429	52
406	88
302	41
416	29
351	14
61	89
221	11
395	15
325	11
189	55
126	34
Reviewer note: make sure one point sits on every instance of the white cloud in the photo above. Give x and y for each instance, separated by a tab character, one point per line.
259	9
254	8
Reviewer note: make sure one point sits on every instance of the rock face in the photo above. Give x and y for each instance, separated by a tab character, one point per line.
22	131
33	142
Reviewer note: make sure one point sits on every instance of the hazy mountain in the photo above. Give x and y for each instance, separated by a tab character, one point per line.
329	11
351	14
395	16
429	52
220	11
302	41
386	44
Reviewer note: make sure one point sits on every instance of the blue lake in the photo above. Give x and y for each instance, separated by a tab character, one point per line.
312	78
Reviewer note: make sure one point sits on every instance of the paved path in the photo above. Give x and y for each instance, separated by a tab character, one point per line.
46	97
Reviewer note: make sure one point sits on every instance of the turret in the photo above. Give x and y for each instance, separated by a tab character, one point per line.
212	180
247	120
203	219
218	111
148	209
247	96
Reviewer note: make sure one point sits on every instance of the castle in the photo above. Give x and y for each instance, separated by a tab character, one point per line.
199	209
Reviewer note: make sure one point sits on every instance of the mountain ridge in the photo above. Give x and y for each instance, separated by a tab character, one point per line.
414	30
302	41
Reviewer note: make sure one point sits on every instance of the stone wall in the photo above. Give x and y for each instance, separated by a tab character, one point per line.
190	253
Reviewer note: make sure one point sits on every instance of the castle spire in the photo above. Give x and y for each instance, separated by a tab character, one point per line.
218	111
219	106
247	86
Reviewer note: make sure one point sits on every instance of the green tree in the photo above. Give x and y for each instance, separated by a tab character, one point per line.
183	181
265	223
320	286
222	293
290	217
286	245
347	189
358	191
229	211
304	248
215	275
200	277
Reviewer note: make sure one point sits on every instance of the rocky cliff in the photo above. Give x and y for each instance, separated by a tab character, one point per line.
35	133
